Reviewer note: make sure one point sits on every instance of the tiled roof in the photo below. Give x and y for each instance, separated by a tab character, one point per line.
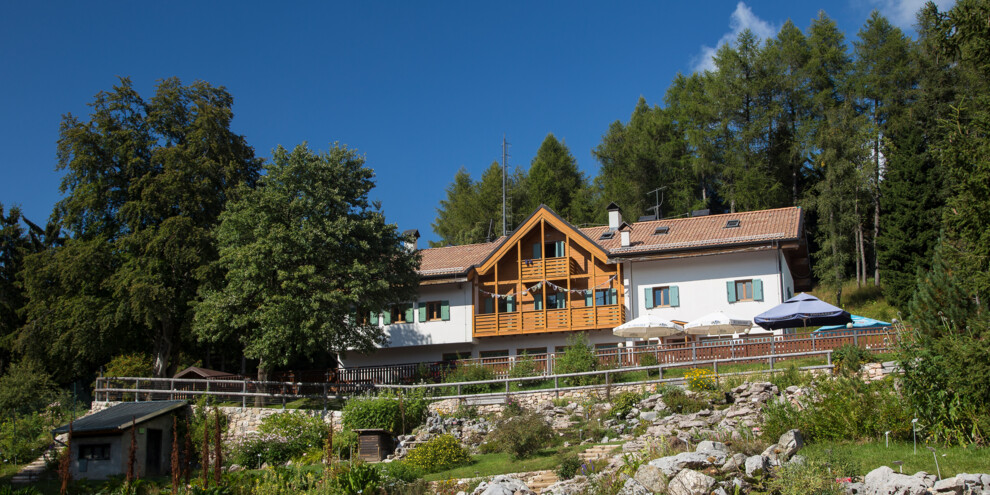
704	232
683	233
454	260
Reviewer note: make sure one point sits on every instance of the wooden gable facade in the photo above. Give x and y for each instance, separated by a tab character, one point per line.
546	277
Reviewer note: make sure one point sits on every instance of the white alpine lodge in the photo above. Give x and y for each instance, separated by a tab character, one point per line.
527	292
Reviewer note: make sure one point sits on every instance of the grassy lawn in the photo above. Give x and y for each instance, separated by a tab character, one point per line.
865	301
495	464
865	457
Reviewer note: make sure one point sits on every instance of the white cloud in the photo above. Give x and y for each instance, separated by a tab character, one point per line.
902	13
741	19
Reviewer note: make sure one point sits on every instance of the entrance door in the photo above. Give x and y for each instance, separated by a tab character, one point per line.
153	460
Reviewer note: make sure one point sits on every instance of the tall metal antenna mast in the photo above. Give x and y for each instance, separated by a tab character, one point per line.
659	201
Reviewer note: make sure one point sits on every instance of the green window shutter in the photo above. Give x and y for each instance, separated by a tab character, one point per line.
613	296
387	314
536	251
560	249
757	290
445	310
648	297
409	314
589	298
730	291
675	296
510	304
422	312
373	319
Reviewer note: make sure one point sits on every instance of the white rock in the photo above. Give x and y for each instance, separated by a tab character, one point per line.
690	482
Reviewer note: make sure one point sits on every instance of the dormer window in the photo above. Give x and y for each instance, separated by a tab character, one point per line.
732	224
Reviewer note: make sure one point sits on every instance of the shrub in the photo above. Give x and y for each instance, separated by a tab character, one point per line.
568	464
134	364
280	438
25	388
849	358
202	417
438	454
844	409
524	367
579	357
624	402
701	379
678	402
353	478
397	471
386	412
343	443
649	359
521	436
790	376
810	477
472	373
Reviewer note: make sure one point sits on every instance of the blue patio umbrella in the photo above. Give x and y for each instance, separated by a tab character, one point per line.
800	311
857	322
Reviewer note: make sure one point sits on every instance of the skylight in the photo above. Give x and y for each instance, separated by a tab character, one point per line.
732	224
663	229
608	234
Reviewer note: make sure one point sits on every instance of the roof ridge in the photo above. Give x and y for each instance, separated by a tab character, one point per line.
463	245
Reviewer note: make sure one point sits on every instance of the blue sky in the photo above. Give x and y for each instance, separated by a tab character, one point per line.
421	88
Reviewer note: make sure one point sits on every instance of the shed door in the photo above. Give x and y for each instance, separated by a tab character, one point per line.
153	461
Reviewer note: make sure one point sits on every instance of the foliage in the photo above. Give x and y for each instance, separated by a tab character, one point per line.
302	253
946	379
790	376
523	367
568	464
132	364
555	180
521	435
354	478
624	402
23	436
472	373
26	387
344	442
472	211
202	417
282	437
700	379
849	358
438	454
396	471
679	402
649	359
396	413
810	477
578	357
843	408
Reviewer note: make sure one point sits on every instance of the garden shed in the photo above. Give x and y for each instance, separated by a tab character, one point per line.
100	444
374	445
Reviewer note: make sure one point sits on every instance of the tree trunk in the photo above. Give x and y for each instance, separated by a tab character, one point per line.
263	370
862	252
876	207
163	350
860	269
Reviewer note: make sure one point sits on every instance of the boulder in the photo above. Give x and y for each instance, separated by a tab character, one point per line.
884	481
735	463
975	482
651	477
648	416
690	482
950	485
710	446
633	487
503	485
756	466
789	444
688	460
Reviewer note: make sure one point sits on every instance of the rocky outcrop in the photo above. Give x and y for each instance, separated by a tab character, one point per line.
503	485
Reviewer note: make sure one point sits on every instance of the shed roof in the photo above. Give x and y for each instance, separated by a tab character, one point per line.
119	417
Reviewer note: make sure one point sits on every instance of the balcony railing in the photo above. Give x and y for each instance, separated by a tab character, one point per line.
557	268
551	320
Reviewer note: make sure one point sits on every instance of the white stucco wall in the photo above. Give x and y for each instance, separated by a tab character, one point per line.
702	284
454	331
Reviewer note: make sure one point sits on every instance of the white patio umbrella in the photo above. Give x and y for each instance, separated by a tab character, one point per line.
717	323
647	327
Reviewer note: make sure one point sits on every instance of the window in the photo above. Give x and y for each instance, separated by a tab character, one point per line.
662	297
604	297
744	290
95	452
560	349
456	356
663	229
732	224
608	234
487	305
531	351
554	249
400	313
602	347
433	311
494	354
556	301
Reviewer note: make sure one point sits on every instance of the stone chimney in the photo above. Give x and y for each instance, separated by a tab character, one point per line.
614	216
411	237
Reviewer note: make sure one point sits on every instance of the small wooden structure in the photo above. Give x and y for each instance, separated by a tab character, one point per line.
374	445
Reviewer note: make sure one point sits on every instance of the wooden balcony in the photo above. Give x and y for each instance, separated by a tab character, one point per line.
557	268
552	320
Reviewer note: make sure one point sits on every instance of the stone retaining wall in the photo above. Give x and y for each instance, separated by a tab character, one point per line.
245	420
872	372
531	400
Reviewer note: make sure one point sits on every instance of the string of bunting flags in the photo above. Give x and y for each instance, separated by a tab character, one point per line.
555	287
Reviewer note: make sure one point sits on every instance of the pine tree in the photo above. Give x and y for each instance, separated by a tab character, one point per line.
554	178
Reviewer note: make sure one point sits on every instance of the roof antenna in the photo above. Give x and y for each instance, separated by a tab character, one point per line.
657	214
505	155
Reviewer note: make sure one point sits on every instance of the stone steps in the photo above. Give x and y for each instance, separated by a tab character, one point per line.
541	481
30	473
597	452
